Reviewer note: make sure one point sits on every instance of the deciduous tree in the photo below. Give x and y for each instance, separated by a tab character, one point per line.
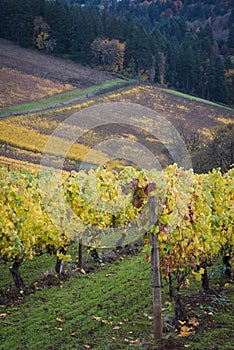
108	53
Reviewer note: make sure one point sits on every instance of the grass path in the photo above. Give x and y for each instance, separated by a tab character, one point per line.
84	311
66	98
107	310
195	98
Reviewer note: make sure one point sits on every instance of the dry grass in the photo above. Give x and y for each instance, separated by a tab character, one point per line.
32	131
31	140
17	87
188	116
16	164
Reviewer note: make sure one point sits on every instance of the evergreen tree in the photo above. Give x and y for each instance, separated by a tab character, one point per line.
155	46
186	66
113	28
205	40
22	24
130	38
57	16
38	8
138	50
92	29
77	34
230	41
220	92
8	10
171	63
211	86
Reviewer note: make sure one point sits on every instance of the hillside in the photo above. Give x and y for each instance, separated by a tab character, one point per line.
33	81
191	118
48	67
184	45
26	78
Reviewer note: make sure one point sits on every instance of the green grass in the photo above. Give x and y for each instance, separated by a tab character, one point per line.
194	98
218	313
89	307
105	310
61	98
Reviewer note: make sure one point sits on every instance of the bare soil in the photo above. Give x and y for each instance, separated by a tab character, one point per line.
49	67
188	116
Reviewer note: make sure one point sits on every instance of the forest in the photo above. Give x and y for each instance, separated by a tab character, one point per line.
186	45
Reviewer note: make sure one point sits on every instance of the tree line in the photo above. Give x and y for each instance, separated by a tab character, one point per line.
132	38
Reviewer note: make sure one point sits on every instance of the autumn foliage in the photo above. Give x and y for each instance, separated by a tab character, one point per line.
108	53
194	213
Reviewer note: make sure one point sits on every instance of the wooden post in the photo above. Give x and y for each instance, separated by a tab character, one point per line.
80	263
155	272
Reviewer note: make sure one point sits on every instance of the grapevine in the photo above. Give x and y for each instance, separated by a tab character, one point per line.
25	229
194	214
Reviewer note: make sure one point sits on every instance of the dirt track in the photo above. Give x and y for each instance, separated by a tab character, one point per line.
49	67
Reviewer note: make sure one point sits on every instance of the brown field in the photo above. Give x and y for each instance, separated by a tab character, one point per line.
32	131
48	67
187	115
17	87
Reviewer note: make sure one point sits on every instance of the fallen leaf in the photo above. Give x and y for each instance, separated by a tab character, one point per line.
186	331
144	314
137	341
117	327
182	322
105	321
58	319
193	321
97	318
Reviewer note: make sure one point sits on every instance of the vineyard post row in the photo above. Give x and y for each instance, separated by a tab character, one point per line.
193	225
